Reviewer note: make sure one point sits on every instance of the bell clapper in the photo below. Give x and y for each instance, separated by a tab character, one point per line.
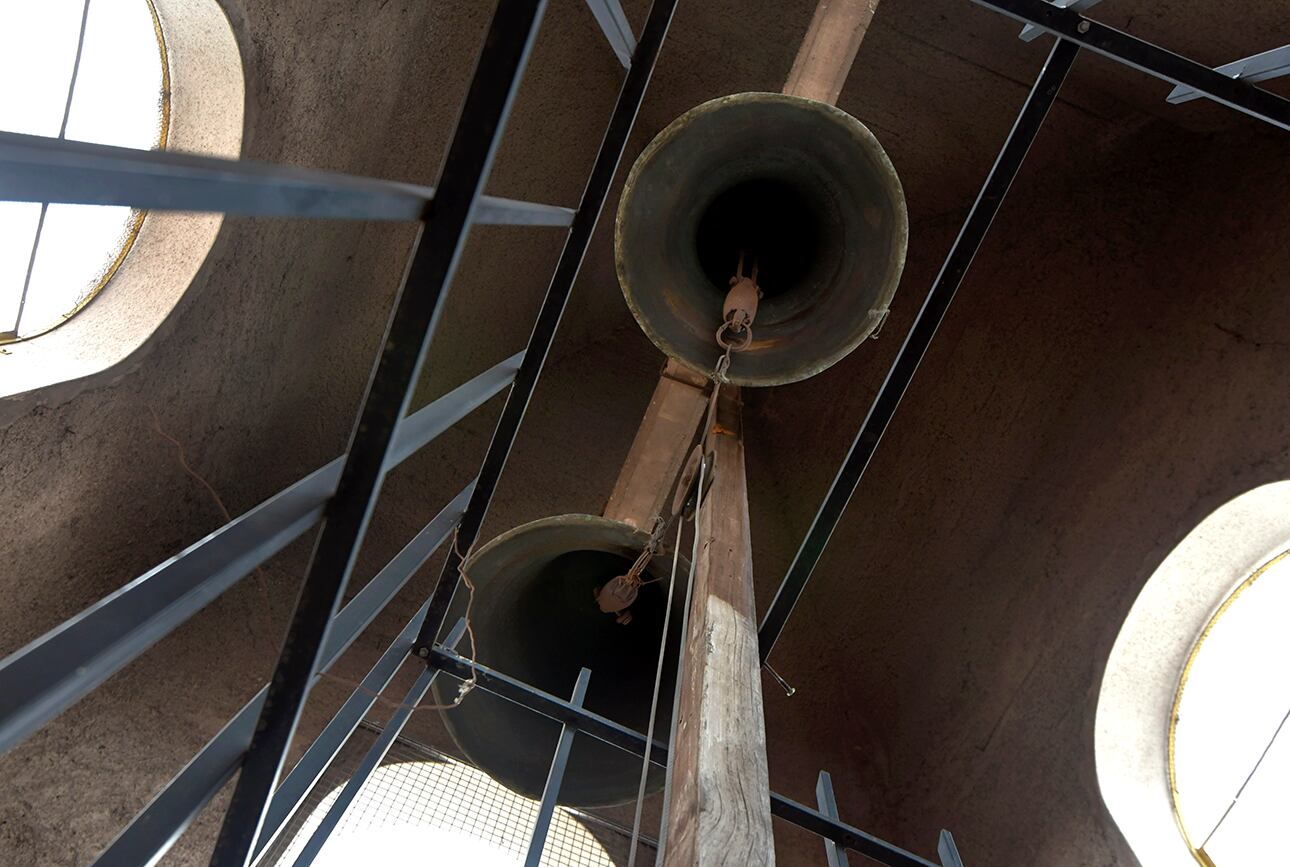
740	307
618	594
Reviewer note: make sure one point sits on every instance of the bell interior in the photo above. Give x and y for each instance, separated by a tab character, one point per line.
535	618
802	188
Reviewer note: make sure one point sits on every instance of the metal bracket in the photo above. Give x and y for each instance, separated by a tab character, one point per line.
1259	67
948	851
1031	32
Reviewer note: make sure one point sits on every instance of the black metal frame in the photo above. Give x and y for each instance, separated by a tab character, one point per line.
41	680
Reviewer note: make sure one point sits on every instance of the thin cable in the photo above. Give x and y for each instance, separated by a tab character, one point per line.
1262	756
653	707
62	132
680	664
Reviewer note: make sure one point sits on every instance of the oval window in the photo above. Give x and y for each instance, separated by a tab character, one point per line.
92	71
1229	747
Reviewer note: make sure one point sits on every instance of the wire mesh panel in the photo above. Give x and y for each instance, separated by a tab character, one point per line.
423	803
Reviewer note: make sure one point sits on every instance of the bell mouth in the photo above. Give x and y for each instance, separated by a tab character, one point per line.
771	222
801	187
535	618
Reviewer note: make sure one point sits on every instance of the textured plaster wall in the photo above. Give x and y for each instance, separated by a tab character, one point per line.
1111	371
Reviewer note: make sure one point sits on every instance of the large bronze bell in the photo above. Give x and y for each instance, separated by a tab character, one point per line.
799	187
536	618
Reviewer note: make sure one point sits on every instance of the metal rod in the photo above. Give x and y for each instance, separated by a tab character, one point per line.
554	777
516	691
310	768
1148	58
653	705
62	134
828	804
1001	175
1259	67
37	168
618	31
557	296
632	741
695	542
49	675
152	832
371	761
843	834
948	851
507	47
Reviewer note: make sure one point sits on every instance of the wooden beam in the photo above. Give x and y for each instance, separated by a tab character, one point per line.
661	446
719	810
829	48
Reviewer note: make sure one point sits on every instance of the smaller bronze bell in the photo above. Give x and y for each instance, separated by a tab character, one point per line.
536	617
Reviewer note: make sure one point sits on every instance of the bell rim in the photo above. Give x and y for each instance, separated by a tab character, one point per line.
895	263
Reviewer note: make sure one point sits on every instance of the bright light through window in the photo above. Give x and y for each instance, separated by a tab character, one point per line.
447	811
52	263
1231	741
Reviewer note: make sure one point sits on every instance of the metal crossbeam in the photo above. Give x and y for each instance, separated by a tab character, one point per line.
828	804
632	741
1148	58
49	675
599	181
1031	32
157	826
948	851
507	47
1259	67
947	282
614	24
555	776
297	784
371	760
40	169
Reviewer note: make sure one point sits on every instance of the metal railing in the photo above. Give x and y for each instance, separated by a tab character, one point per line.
47	676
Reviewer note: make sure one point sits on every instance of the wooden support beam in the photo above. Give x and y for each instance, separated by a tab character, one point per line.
829	48
719	810
661	446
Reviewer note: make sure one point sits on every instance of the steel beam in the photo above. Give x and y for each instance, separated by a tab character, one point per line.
41	169
947	282
948	851
1029	32
618	31
632	741
557	296
1259	67
55	671
375	754
371	761
310	768
495	82
555	777
1148	58
843	834
828	804
152	832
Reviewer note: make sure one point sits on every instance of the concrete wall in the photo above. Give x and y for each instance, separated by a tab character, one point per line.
1107	376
